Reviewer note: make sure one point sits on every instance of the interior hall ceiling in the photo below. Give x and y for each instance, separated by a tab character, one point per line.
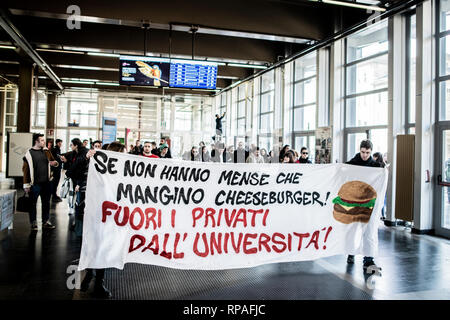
247	32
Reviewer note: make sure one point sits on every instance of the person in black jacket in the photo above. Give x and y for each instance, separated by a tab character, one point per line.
100	291
240	154
138	149
56	152
219	123
364	158
304	158
76	165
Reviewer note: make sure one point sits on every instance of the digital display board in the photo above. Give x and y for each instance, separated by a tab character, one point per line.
144	71
193	74
165	72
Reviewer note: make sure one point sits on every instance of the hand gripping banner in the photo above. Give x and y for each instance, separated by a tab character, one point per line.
210	216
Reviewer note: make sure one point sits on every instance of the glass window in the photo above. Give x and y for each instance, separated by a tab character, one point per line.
266	123
183	118
128	115
367	80
241	109
368	42
241	127
305	66
305	118
353	143
444	91
445	55
166	112
444	18
411	58
84	113
265	143
242	88
367	110
368	75
39	111
305	92
268	81
267	101
379	140
90	135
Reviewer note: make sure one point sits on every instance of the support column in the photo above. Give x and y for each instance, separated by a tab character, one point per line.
396	106
337	102
2	126
425	115
51	111
25	91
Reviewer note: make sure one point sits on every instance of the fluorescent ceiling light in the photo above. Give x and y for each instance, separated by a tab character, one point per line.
83	67
227	77
241	65
7	47
354	5
60	51
9	62
108	83
78	82
102	54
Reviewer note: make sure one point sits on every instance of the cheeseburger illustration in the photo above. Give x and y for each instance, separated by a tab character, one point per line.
354	203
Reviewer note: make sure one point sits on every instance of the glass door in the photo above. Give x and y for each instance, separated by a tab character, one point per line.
442	211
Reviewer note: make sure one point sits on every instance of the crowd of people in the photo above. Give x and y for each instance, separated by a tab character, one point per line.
42	168
218	152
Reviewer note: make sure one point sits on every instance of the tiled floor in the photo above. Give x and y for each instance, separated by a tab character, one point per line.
414	267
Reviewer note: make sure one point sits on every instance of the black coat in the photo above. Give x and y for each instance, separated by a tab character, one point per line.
238	155
301	160
357	161
78	166
56	153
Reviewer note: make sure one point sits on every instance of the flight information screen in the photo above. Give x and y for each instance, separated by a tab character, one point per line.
193	74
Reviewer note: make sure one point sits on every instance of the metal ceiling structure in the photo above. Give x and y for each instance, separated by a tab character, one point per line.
243	37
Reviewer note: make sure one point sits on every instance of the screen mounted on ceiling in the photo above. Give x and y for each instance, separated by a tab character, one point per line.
193	74
144	71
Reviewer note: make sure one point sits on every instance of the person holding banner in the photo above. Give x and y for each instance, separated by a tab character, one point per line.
97	144
240	154
304	156
364	158
100	291
164	151
289	157
283	151
194	154
148	150
137	150
255	156
205	154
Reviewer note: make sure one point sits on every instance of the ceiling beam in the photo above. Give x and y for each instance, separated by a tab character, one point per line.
298	20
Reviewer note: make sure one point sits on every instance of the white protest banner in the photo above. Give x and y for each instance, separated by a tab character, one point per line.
194	215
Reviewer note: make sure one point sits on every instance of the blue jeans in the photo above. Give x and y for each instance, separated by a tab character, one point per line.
44	191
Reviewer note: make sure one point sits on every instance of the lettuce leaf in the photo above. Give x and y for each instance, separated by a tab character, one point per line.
369	204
